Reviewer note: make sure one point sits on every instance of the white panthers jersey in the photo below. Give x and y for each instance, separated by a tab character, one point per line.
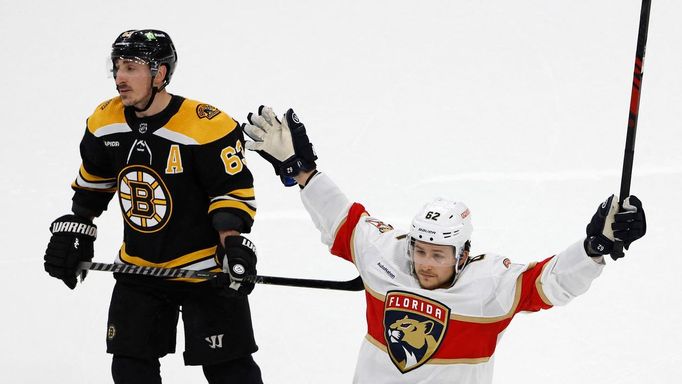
448	335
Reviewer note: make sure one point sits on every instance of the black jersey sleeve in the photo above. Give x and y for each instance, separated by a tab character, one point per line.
95	184
229	183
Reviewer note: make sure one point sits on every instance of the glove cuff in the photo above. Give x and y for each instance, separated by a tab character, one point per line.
597	246
292	167
74	225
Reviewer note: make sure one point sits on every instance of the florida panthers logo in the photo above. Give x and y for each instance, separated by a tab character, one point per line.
145	200
414	328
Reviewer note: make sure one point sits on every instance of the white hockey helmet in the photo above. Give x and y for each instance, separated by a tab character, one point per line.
443	222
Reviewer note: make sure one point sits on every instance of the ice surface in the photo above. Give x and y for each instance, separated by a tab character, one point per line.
518	108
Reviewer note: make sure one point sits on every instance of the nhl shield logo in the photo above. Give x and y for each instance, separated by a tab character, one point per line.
414	327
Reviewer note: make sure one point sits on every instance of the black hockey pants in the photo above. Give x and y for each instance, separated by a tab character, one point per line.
129	370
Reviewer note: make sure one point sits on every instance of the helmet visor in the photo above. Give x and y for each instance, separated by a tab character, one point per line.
423	253
132	65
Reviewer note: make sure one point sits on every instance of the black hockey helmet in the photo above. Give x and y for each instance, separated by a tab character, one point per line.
150	46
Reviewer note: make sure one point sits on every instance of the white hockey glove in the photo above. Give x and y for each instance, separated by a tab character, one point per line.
285	145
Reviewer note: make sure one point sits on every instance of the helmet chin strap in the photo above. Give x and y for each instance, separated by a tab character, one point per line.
458	270
155	90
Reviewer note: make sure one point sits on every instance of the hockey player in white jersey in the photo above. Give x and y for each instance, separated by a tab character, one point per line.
434	312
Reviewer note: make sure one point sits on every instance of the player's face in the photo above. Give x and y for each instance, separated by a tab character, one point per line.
133	82
434	264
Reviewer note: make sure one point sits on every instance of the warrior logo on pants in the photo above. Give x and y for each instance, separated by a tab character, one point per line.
414	328
145	201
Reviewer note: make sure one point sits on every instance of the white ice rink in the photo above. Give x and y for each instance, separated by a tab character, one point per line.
518	108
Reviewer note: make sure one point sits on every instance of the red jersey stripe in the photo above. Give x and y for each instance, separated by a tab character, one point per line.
343	241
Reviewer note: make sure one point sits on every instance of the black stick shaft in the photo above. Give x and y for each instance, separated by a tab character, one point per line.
350	285
628	158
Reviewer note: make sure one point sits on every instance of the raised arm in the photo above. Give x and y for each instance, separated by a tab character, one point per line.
286	146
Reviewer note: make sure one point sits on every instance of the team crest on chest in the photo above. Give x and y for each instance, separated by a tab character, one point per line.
145	200
414	327
205	111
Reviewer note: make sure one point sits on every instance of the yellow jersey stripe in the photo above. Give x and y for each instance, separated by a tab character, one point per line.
232	204
246	193
201	130
109	113
182	260
89	177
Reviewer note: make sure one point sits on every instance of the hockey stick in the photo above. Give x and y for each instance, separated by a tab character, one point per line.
350	285
626	177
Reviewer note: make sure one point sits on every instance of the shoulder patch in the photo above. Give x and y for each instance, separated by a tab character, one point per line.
380	225
506	262
200	123
206	111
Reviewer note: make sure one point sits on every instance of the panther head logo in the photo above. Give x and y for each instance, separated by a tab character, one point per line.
414	328
414	337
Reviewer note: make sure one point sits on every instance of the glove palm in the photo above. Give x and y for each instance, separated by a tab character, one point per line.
270	136
285	144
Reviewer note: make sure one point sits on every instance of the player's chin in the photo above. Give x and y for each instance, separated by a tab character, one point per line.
129	97
126	99
427	281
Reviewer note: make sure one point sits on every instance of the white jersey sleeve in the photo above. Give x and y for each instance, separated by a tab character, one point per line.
569	274
326	205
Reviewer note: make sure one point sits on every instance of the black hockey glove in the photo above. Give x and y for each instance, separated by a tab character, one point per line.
285	145
71	242
630	221
240	261
609	223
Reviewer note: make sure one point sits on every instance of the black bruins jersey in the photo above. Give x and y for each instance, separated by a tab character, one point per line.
173	171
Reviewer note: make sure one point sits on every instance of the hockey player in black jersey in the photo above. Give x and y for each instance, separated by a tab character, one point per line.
177	167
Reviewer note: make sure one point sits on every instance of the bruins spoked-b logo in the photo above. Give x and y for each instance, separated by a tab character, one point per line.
145	200
414	328
205	111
